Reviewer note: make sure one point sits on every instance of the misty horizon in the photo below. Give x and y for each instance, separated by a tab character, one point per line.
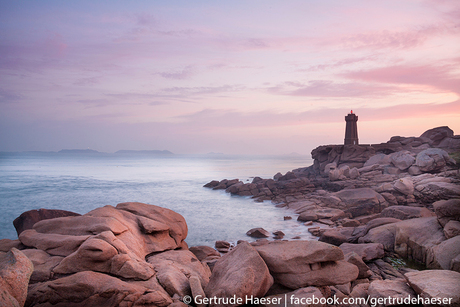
228	76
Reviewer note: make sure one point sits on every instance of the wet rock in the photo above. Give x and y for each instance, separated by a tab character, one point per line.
278	235
241	272
258	233
211	184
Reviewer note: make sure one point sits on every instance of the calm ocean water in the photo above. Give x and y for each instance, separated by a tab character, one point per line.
80	183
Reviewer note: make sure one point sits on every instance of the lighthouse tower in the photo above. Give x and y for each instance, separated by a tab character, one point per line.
351	129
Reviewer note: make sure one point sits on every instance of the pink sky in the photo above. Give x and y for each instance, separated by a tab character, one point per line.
255	77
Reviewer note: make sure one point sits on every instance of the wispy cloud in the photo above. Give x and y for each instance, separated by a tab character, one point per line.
328	88
182	74
443	78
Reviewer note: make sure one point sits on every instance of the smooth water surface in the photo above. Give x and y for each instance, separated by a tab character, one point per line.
81	183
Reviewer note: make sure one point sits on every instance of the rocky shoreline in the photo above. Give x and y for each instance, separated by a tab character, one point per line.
381	204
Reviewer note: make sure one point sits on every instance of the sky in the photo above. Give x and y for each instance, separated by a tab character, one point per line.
237	77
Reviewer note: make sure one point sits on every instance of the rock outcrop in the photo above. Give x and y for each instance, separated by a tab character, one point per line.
297	264
15	272
241	273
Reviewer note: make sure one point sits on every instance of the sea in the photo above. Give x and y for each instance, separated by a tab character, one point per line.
81	182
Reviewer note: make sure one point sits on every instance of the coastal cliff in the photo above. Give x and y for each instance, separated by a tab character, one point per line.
379	206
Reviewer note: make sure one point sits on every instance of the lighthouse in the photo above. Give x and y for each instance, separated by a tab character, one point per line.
351	129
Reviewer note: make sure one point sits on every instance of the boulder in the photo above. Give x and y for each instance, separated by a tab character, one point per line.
405	212
202	252
444	253
142	228
320	213
384	235
355	259
106	254
442	286
436	135
447	210
197	289
362	231
432	190
360	290
397	290
7	244
415	238
258	233
404	186
294	256
361	201
43	263
433	160
211	184
380	158
174	268
53	244
94	289
28	219
240	273
296	264
402	160
15	272
333	237
452	229
367	251
301	206
321	274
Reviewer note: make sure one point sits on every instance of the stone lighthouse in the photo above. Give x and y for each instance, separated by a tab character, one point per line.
351	129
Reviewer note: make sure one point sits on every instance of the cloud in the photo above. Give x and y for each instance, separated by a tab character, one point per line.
204	90
8	96
87	81
185	73
327	88
218	120
441	77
